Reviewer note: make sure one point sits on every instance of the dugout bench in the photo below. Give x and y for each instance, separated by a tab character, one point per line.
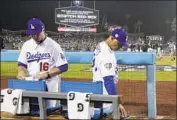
38	91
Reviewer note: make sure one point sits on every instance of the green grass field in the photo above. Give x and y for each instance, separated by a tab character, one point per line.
75	71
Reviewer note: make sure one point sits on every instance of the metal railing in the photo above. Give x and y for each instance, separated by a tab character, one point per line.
42	96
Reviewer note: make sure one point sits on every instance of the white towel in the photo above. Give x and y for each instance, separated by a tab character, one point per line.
11	101
31	78
78	105
23	105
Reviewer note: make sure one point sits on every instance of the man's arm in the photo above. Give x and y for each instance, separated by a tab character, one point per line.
22	73
58	70
61	64
22	64
110	85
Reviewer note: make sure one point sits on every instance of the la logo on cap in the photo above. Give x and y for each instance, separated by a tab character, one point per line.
32	27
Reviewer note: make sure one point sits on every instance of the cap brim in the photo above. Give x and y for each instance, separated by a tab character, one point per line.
33	32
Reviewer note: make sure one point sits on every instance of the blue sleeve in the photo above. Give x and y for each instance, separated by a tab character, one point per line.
63	68
110	85
22	64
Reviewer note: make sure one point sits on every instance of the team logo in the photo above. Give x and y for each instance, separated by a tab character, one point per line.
9	91
71	96
36	57
1	98
62	56
32	26
108	66
80	107
15	101
87	97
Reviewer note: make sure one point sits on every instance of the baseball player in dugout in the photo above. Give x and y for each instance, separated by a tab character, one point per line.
104	65
41	58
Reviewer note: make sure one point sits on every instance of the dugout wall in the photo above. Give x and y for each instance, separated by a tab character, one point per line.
125	58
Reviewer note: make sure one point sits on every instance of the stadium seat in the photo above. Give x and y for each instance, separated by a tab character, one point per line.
91	87
66	86
33	86
27	85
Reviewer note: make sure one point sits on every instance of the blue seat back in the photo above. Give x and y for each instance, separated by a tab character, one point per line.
27	85
92	87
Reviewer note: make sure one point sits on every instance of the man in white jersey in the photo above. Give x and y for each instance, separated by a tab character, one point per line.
104	64
41	58
172	47
159	51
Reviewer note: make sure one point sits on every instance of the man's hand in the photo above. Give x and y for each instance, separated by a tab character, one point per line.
41	76
122	111
22	73
21	76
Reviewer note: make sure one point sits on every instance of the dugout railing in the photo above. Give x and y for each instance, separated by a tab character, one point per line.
42	96
125	58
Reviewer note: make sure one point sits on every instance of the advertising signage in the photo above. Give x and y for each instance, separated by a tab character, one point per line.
76	16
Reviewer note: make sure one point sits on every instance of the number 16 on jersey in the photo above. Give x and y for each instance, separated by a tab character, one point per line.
44	66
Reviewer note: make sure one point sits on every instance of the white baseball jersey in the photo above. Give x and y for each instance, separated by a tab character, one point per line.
104	64
43	57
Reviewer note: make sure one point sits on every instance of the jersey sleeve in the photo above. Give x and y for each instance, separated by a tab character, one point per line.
106	67
22	61
59	57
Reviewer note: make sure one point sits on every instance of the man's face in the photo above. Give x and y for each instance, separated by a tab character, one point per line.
114	44
38	37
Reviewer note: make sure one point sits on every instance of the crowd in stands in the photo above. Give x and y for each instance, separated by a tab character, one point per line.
13	41
80	41
77	42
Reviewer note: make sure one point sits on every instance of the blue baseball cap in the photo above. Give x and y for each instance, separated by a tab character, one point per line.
34	26
121	36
